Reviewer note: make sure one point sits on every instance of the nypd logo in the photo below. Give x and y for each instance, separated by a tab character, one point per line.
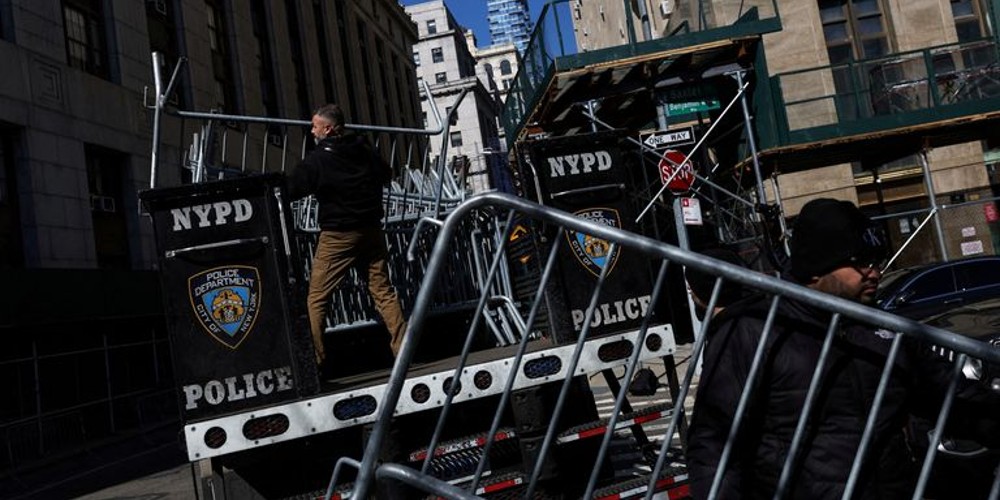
226	301
594	254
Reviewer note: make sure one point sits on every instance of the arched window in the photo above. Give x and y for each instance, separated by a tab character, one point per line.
505	67
488	68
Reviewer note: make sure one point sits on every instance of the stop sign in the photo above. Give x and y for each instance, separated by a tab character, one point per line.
671	161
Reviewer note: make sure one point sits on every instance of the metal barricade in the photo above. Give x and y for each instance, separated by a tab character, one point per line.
223	146
666	467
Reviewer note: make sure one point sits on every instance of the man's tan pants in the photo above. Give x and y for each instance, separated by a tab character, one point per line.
336	253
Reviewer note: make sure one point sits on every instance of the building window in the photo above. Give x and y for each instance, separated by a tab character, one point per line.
265	67
432	27
440	77
106	179
456	139
505	68
85	45
214	40
425	118
854	30
11	250
437	54
366	69
5	23
968	19
452	118
224	84
161	24
416	58
506	83
382	66
319	15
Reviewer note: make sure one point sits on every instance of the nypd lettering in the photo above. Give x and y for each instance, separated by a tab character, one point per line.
245	386
610	313
591	252
226	301
579	163
211	214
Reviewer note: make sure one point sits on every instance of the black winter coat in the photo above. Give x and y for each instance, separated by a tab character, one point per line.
833	434
346	176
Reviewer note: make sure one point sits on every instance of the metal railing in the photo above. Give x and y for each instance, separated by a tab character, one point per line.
896	84
665	458
96	404
422	189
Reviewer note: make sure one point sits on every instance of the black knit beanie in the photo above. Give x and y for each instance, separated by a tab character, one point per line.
830	233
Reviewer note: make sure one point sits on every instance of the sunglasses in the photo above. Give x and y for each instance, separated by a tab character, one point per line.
867	264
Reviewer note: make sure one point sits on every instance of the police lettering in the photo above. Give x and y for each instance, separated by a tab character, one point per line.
613	312
246	386
212	214
581	163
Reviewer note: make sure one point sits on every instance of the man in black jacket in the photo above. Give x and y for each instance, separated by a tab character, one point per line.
346	176
834	249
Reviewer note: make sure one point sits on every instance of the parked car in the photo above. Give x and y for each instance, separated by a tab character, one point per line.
922	292
964	468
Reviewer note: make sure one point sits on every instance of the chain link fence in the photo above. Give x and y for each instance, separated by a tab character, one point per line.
964	224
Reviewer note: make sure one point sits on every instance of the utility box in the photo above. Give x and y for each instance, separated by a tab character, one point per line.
233	295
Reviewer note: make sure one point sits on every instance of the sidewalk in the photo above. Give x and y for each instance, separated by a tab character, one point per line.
171	484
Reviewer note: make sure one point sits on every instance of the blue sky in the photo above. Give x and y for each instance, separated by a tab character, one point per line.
472	14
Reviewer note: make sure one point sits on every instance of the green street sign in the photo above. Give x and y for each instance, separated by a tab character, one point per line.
690	99
685	108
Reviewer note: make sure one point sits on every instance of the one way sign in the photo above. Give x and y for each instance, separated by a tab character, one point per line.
668	138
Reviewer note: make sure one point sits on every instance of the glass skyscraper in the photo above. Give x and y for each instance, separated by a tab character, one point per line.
509	22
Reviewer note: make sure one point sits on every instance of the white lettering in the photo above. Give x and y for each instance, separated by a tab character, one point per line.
265	382
214	392
610	313
572	161
284	378
218	213
248	381
556	168
644	304
182	218
192	393
579	163
603	160
202	212
233	393
630	308
606	314
222	210
244	210
239	387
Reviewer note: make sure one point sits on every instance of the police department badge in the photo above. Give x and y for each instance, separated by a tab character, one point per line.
226	301
590	251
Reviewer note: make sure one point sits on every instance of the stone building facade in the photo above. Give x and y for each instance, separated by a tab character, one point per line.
74	132
445	62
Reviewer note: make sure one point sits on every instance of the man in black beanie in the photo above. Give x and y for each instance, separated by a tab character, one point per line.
836	250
